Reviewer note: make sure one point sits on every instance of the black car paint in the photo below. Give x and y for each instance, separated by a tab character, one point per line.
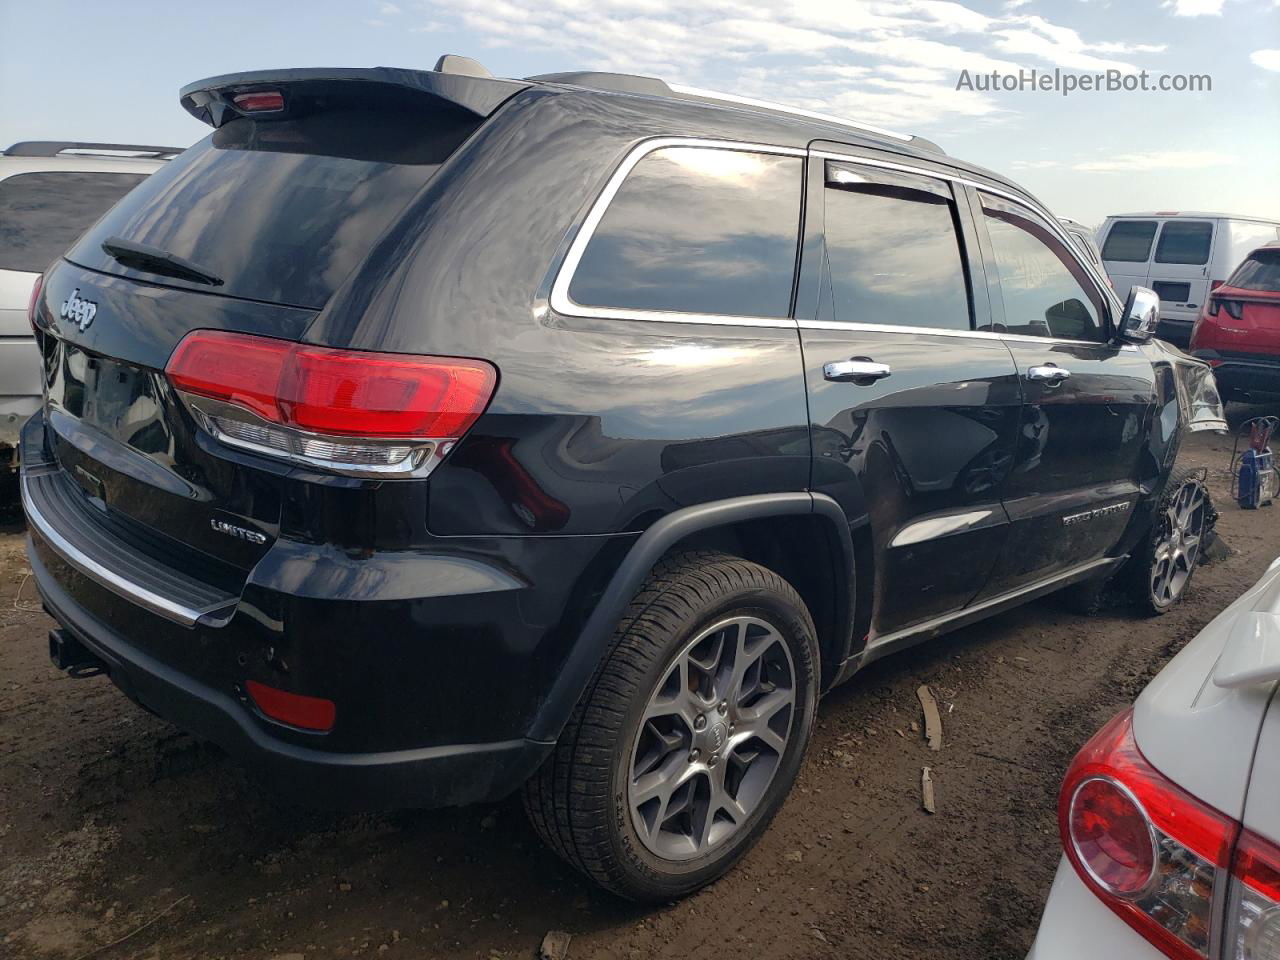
462	616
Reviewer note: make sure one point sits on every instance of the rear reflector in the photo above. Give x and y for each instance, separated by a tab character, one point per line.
306	713
354	409
263	101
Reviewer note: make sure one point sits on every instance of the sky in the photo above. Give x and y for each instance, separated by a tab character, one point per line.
111	72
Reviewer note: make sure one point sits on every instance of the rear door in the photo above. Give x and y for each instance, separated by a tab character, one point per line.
914	413
1088	402
1126	252
1180	267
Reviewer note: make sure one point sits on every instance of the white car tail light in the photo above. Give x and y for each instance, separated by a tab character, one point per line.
1253	914
1154	854
354	412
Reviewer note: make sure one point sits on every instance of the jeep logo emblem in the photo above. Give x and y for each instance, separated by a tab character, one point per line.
79	311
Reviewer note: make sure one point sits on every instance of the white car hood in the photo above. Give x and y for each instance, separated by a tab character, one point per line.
1199	720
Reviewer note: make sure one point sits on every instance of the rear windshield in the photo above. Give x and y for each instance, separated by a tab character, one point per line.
283	210
1260	272
1129	241
42	214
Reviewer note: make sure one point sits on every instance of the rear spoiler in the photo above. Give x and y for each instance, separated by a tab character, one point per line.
210	101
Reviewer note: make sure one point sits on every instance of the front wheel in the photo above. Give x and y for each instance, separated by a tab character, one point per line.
690	735
1168	556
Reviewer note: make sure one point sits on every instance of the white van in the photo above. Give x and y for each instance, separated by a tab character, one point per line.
1181	256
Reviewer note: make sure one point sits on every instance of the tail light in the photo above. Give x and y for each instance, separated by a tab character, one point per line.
1235	308
347	411
1154	854
1253	918
261	101
33	305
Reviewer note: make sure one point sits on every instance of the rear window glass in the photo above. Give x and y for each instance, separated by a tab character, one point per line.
42	214
1183	241
893	250
283	210
1129	241
697	230
1260	272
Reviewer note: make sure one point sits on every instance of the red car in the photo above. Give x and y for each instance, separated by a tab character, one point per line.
1238	332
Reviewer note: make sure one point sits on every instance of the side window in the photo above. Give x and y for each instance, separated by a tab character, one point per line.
893	249
1185	241
1046	291
1129	241
697	230
43	214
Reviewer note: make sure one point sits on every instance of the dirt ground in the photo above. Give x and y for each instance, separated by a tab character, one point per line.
111	820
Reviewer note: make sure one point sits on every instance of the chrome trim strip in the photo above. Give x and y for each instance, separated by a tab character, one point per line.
934	528
162	606
563	304
947	332
785	108
1039	211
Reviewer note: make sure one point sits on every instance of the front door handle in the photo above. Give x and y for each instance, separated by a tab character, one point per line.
858	370
1049	373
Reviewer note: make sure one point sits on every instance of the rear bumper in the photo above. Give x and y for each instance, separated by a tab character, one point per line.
1236	375
433	776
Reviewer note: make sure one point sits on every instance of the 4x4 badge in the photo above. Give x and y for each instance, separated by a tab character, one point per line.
79	311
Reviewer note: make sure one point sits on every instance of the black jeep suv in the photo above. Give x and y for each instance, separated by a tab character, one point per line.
420	437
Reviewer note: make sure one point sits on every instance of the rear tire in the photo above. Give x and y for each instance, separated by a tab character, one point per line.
690	734
1160	569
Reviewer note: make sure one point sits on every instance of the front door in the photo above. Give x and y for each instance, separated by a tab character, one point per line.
1088	402
913	413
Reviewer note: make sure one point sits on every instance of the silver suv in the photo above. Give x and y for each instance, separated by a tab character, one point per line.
50	192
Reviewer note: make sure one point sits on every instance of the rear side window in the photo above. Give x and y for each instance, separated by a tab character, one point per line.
42	214
1129	241
1260	272
283	210
1046	291
697	230
894	250
1185	242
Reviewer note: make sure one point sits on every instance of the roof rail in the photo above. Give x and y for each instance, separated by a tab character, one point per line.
651	86
51	148
696	93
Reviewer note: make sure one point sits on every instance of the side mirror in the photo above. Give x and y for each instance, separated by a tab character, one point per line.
1141	315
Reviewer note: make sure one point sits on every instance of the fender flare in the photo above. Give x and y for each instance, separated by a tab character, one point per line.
593	640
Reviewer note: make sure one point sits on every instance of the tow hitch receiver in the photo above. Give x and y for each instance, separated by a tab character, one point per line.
69	654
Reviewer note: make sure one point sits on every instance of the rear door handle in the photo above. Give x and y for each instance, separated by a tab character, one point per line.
1049	372
857	370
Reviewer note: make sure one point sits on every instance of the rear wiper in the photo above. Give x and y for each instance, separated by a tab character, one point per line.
154	260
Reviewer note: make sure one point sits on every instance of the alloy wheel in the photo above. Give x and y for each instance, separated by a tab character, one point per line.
1177	548
712	737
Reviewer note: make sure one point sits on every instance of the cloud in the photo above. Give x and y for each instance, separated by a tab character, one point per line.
1266	59
1156	160
1061	46
1195	8
889	62
388	9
